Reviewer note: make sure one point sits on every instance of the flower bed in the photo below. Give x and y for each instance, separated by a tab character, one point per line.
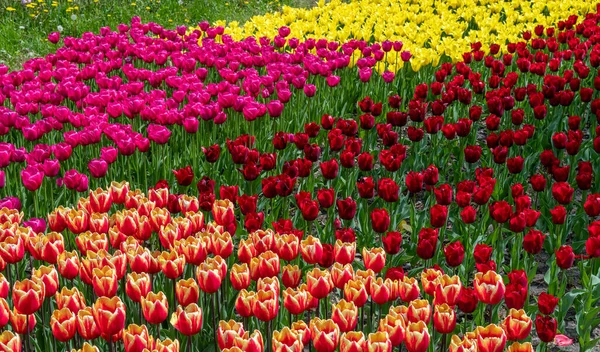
280	198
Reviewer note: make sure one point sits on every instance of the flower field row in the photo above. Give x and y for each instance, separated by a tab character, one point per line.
430	30
284	195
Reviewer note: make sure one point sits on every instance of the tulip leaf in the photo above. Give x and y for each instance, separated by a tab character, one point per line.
566	302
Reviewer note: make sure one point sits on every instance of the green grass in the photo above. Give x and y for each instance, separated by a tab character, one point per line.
24	28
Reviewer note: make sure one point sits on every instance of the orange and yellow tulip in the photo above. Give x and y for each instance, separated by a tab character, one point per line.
419	310
28	296
227	332
444	318
319	283
188	320
395	326
239	275
325	334
109	315
489	287
137	286
374	258
417	337
155	307
517	325
136	338
353	341
345	315
187	292
10	342
63	323
86	325
379	342
355	291
286	341
295	301
491	338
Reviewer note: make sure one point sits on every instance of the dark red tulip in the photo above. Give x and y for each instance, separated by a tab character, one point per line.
380	220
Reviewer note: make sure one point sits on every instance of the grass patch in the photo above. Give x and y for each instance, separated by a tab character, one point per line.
25	26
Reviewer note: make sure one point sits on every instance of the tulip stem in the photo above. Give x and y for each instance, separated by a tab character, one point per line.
189	343
27	332
269	336
214	316
443	348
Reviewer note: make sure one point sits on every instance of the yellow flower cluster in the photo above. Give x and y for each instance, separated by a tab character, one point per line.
429	29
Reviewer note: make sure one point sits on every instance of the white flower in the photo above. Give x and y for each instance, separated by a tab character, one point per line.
73	17
59	28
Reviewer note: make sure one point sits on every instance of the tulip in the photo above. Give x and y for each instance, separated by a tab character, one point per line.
325	335
547	303
136	338
286	340
137	286
311	250
464	345
266	305
379	342
302	330
520	347
374	258
187	292
429	280
545	326
344	252
356	292
70	299
319	283
489	287
250	342
444	319
395	327
291	276
208	277
10	342
244	303
448	290
341	274
63	324
353	341
417	337
49	277
104	281
517	325
155	307
227	332
109	315
4	313
86	325
345	315
21	323
188	320
295	301
4	286
28	296
490	338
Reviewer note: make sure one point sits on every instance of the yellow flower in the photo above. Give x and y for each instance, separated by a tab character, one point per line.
11	9
429	29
